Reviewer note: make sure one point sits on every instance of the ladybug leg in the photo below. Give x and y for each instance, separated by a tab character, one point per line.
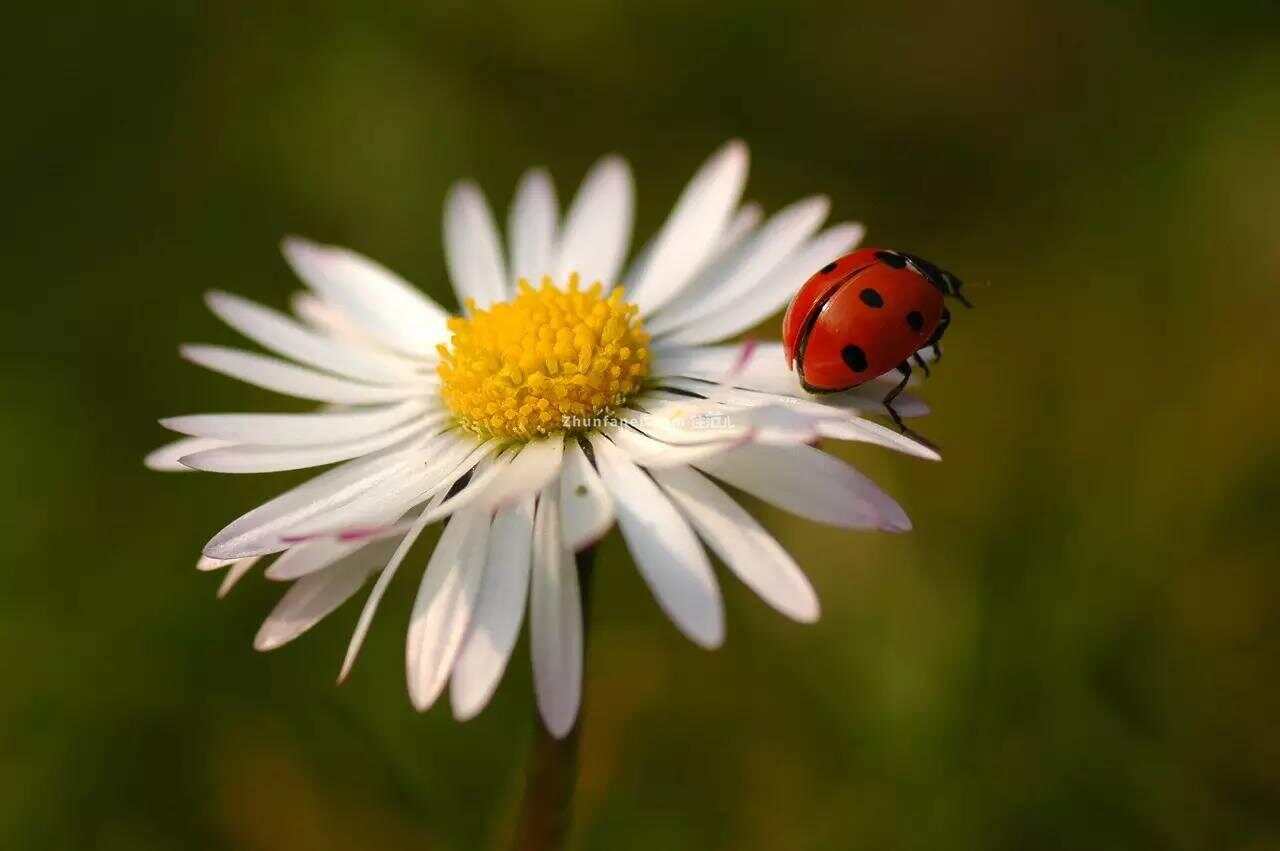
905	369
944	322
922	363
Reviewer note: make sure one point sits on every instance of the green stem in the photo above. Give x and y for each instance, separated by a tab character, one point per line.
552	770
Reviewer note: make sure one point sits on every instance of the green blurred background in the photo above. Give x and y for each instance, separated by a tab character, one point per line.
1078	646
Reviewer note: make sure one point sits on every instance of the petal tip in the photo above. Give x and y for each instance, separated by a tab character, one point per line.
897	525
266	641
736	148
158	461
710	636
220	551
560	727
292	245
808	613
464	708
462	190
172	424
196	353
817	204
615	165
216	299
275	574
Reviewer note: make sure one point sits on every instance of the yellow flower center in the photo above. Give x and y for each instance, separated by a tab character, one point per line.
549	360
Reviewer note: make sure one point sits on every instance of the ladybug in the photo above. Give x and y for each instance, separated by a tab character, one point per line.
864	315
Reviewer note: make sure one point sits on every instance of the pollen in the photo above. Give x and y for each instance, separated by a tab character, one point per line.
549	360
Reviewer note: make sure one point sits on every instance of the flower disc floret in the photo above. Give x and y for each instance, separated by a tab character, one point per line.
549	360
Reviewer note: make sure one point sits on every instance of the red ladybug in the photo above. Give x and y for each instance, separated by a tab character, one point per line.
864	315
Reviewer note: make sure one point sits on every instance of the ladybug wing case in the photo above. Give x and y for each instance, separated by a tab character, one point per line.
872	322
814	290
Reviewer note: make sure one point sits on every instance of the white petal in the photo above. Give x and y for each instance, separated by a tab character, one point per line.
742	543
297	562
586	509
437	470
722	285
327	319
866	399
309	600
529	472
495	625
470	463
809	483
764	366
442	610
509	478
729	246
283	335
650	452
665	550
687	421
866	431
283	377
531	227
597	228
472	250
771	294
729	393
204	563
766	372
486	472
239	568
300	429
272	459
693	229
690	422
640	263
746	220
730	240
375	596
778	424
869	399
166	458
258	532
375	298
555	622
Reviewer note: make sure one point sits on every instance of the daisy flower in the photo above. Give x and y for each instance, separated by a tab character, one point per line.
559	402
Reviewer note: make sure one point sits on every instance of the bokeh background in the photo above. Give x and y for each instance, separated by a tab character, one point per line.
1078	646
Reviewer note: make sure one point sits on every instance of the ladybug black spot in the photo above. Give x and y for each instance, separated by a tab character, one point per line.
829	268
916	320
871	298
889	258
854	357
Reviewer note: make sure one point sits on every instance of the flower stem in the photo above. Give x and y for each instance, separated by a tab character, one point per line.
552	769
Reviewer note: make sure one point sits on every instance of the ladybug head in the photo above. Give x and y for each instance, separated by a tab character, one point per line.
947	283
